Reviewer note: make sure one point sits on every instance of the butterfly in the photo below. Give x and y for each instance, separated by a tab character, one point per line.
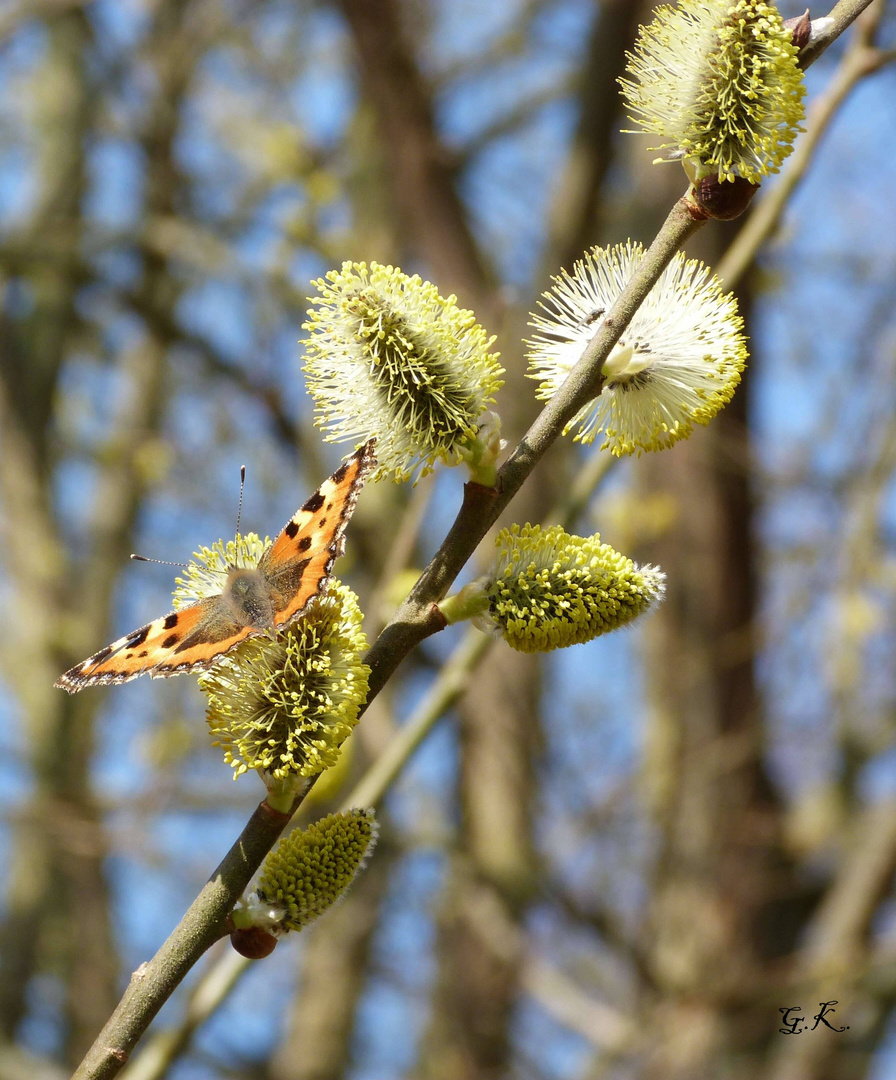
255	600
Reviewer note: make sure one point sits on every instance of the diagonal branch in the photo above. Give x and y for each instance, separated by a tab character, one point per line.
862	58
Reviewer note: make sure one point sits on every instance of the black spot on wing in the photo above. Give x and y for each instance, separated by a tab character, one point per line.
144	653
288	582
291	529
211	630
314	503
339	475
138	637
97	659
170	621
304	543
172	639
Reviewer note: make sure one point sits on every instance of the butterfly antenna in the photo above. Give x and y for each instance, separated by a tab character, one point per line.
161	562
239	509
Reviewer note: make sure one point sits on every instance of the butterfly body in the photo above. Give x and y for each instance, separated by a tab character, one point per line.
253	600
248	596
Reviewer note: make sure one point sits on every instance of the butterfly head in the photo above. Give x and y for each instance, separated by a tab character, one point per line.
212	567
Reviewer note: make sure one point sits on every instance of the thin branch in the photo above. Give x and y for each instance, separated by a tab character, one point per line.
840	18
861	59
443	693
416	619
606	1026
213	988
203	924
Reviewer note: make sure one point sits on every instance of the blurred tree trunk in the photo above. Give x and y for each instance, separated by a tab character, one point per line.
490	881
578	213
491	876
57	917
58	902
475	986
431	221
725	896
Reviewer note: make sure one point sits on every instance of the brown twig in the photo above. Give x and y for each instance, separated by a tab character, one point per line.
861	59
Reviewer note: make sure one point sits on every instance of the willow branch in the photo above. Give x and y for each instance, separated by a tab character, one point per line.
861	59
217	981
203	924
204	999
417	618
839	19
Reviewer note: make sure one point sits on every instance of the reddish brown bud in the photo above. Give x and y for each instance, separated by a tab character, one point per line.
254	943
723	199
801	28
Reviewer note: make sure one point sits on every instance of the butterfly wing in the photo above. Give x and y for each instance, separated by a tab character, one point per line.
187	640
297	565
296	568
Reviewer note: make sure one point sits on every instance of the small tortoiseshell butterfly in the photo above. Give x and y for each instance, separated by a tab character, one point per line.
292	571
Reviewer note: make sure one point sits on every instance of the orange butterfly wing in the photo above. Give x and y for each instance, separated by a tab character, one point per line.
297	565
296	568
184	640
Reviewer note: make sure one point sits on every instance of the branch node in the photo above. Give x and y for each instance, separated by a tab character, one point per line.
268	811
476	490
